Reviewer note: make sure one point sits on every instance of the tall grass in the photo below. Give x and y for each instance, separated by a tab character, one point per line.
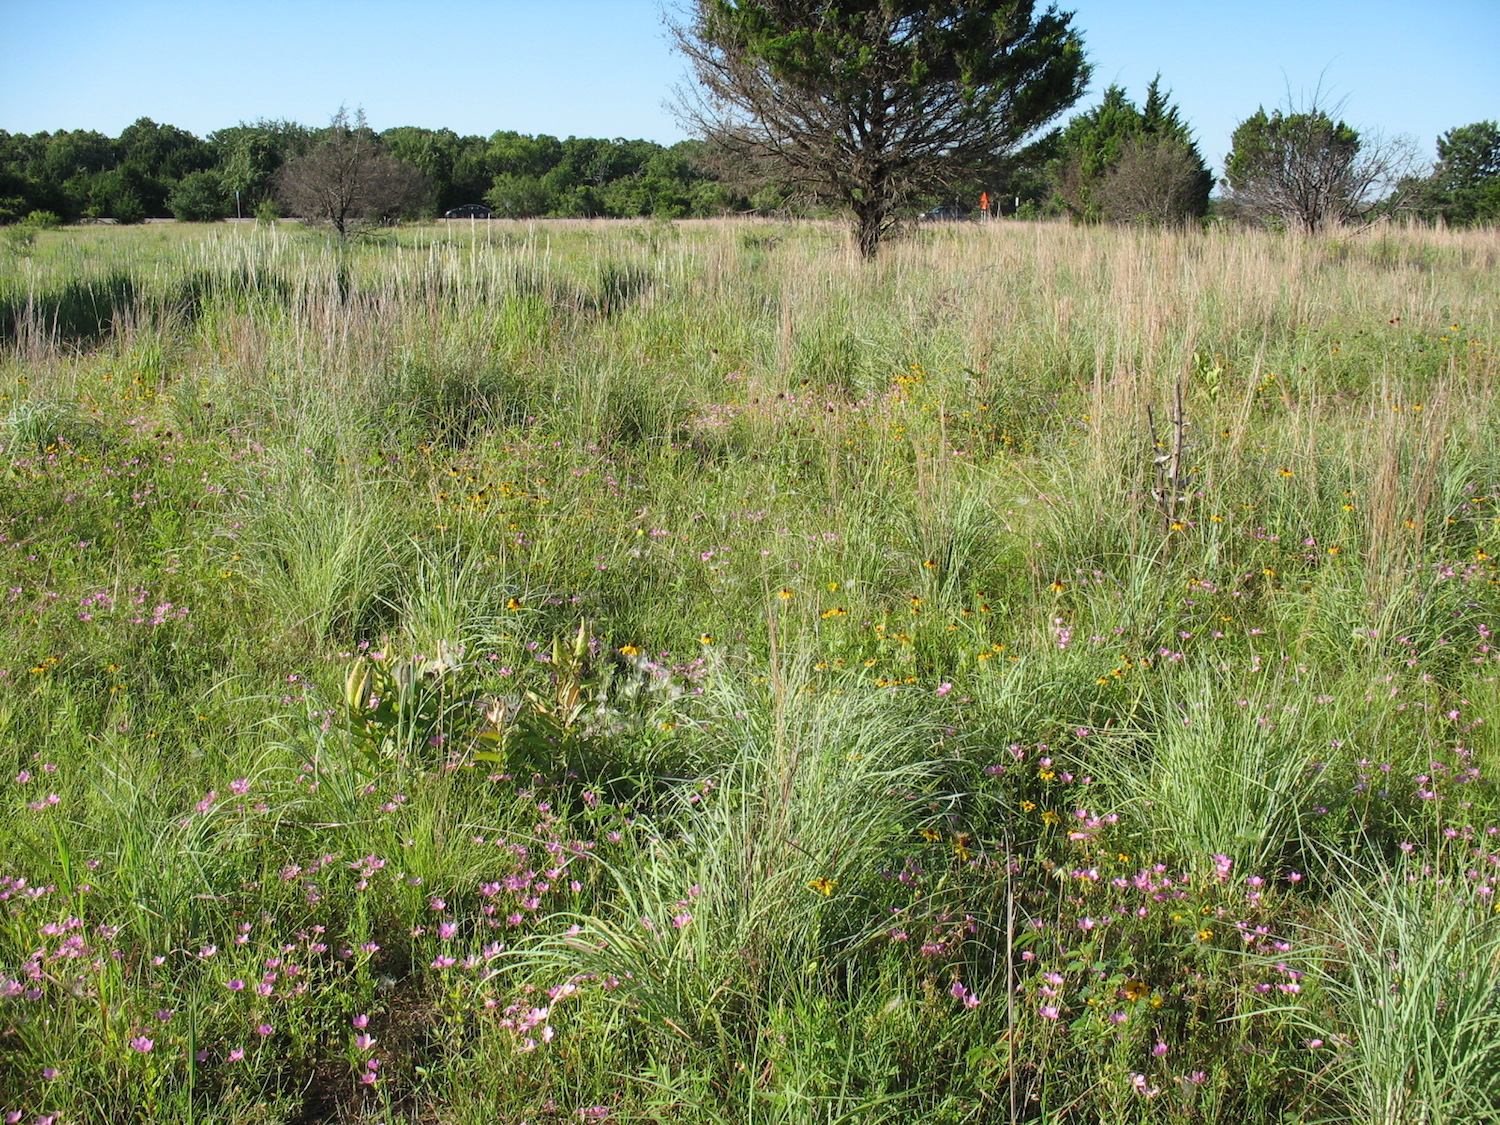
573	671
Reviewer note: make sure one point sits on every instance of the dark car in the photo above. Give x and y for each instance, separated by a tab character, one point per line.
948	213
468	211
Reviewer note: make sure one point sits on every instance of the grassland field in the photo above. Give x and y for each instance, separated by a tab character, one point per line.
650	672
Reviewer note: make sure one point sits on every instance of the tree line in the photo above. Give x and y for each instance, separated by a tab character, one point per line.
870	110
161	171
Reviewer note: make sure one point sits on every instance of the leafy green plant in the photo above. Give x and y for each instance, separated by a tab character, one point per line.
402	712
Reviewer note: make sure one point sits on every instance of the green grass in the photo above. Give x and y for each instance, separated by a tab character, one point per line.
606	671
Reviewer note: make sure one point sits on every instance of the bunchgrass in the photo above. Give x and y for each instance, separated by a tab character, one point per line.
643	672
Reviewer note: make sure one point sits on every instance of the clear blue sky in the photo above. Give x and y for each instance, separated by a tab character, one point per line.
603	67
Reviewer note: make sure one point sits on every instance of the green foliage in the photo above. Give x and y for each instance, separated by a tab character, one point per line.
1412	1024
868	106
1303	170
399	713
248	157
1123	164
914	763
197	198
1467	177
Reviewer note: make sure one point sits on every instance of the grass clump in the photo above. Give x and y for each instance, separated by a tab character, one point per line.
643	673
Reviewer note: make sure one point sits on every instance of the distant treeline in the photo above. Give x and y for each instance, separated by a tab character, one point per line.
161	171
1117	162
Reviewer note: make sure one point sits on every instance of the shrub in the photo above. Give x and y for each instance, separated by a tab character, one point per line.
197	198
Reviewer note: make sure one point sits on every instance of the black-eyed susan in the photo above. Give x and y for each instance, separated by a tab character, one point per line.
514	604
823	886
784	594
628	650
1134	990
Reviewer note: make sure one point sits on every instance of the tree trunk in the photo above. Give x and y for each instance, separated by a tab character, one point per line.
869	227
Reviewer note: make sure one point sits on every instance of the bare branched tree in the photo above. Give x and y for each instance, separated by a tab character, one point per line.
866	104
347	178
1156	182
1304	170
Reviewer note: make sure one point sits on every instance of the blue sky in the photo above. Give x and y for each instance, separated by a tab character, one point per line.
603	67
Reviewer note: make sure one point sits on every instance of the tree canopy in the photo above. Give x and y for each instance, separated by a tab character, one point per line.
1121	163
1467	176
867	103
1305	171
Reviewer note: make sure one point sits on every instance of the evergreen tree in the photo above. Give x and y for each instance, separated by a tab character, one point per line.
868	104
1118	163
1467	176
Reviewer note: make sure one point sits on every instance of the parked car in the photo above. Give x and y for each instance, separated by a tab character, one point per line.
948	213
468	211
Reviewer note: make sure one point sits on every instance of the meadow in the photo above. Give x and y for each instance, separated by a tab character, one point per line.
630	672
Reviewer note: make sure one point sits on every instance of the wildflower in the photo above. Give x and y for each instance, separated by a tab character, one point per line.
1139	1084
823	886
1159	1050
784	594
962	994
142	1044
1049	1012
